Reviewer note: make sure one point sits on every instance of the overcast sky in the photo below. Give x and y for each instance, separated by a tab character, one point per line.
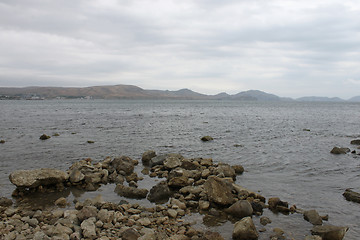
289	48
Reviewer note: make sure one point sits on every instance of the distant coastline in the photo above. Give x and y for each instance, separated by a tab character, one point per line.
134	92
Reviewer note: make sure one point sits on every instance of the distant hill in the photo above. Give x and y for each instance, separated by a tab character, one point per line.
134	92
320	99
354	99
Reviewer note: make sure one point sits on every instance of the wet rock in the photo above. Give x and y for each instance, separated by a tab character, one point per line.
44	137
2	141
245	230
147	156
313	217
131	192
5	202
219	191
355	142
123	164
37	177
240	209
330	232
351	195
339	150
264	221
238	169
88	228
159	193
275	204
61	202
206	138
76	176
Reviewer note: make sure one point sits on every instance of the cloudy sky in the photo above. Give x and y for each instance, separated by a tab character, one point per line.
289	48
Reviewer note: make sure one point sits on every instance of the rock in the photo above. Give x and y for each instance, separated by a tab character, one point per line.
238	169
275	204
219	191
351	195
207	162
190	165
245	230
2	141
172	162
339	150
206	138
240	209
61	202
204	205
226	170
76	176
212	236
144	221
123	164
264	221
330	232
172	213
355	142
147	156
44	137
37	177
86	213
313	217
178	203
5	202
88	228
159	193
313	238
130	192
130	234
178	182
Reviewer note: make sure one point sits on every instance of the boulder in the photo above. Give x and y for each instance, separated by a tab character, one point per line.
339	150
275	204
206	138
355	142
147	156
86	212
225	170
190	165
130	234
61	202
123	164
178	182
37	177
352	196
159	160
212	236
313	217
245	230
131	192
159	193
76	176
172	162
240	209
219	191
330	232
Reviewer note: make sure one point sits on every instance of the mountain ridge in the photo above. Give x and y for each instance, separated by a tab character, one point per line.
122	91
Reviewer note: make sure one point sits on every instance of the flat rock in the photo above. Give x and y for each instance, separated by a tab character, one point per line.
355	142
37	177
330	232
131	192
339	150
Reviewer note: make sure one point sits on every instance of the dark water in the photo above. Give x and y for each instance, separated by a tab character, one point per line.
280	158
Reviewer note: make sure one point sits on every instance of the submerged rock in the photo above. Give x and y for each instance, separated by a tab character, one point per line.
339	150
245	230
37	177
44	137
313	217
352	196
330	232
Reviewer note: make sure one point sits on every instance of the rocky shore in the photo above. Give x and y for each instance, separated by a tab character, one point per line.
185	186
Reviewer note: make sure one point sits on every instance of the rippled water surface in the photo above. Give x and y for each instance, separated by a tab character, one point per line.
268	139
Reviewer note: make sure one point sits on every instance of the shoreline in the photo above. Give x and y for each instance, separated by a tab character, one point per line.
193	185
